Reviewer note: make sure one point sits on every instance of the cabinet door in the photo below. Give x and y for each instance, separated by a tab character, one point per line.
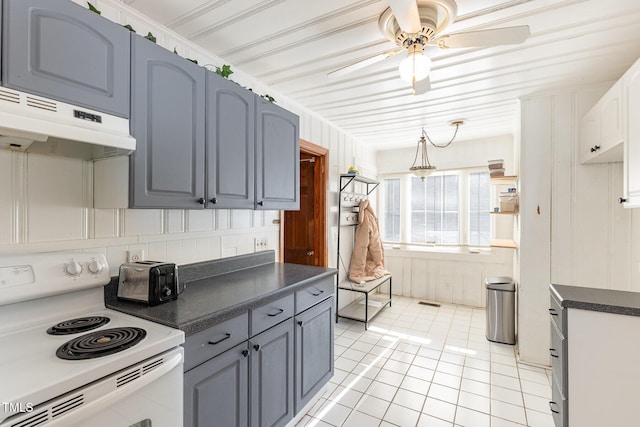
217	392
230	144
277	158
167	119
632	146
602	129
314	351
272	376
60	50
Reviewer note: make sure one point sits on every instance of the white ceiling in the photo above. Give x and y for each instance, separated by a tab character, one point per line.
292	44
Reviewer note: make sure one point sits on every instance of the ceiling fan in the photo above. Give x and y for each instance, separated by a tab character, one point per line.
416	24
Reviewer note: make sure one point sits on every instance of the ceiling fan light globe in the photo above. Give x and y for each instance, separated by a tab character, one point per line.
415	67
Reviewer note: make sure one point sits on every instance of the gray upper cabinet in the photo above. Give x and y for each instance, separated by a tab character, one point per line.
230	129
277	157
168	122
60	50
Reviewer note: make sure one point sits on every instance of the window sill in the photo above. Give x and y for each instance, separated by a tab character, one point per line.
466	253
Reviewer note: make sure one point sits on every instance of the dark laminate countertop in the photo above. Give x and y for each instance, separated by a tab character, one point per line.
220	289
594	299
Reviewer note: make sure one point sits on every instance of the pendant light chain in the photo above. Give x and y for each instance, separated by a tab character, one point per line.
424	134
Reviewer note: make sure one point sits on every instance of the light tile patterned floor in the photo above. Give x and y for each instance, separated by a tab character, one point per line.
419	365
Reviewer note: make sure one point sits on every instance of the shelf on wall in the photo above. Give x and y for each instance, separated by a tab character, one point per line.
503	180
503	243
346	179
503	213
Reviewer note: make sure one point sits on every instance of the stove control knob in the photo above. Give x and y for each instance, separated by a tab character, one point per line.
95	266
73	268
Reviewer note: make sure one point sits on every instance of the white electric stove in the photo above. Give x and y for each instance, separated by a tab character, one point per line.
65	360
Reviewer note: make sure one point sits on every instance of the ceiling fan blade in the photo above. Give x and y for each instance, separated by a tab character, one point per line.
407	15
485	38
364	63
421	87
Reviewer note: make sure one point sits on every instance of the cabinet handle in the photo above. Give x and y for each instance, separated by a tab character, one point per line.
552	312
227	336
256	347
595	148
214	200
551	404
245	352
622	200
552	351
300	322
320	291
260	203
200	200
275	314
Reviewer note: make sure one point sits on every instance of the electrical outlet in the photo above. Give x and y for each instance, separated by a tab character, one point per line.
261	244
135	255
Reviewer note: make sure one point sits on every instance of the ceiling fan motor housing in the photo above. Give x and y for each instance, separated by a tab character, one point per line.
435	16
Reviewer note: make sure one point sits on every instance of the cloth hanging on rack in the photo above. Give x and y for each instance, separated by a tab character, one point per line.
367	259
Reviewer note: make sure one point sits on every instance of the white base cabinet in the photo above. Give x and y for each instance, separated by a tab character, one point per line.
604	373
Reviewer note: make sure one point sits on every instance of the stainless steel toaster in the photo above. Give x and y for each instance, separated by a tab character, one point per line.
149	282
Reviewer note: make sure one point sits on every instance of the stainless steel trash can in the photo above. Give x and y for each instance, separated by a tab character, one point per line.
501	310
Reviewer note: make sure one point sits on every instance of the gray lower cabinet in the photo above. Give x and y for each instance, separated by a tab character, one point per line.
60	50
230	133
277	157
168	122
314	351
216	393
271	379
559	371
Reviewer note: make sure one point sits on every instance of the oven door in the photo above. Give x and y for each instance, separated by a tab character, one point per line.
148	394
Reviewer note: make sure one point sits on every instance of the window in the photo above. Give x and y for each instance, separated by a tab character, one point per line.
450	208
392	210
435	210
479	205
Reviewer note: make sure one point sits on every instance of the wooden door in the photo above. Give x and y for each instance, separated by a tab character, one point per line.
300	231
303	235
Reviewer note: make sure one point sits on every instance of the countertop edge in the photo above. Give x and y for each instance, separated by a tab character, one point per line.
582	298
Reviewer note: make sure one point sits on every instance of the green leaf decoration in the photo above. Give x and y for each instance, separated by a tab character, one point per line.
150	37
195	61
175	51
129	27
268	97
93	9
225	71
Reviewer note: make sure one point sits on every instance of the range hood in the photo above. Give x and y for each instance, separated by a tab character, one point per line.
40	125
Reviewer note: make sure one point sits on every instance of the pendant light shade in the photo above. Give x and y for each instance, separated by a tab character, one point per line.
424	168
416	66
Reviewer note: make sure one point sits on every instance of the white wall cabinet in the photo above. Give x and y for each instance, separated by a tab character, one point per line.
631	182
602	129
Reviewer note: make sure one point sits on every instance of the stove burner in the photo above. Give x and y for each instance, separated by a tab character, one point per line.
76	326
100	343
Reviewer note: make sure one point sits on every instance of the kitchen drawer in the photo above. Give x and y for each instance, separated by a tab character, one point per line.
204	345
313	294
558	408
270	314
558	353
558	314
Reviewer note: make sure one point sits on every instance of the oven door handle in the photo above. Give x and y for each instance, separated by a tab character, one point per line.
108	400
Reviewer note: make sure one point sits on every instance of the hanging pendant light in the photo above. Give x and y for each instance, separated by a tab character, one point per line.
425	168
416	66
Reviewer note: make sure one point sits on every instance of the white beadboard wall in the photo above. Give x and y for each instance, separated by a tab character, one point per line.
46	202
584	237
456	278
